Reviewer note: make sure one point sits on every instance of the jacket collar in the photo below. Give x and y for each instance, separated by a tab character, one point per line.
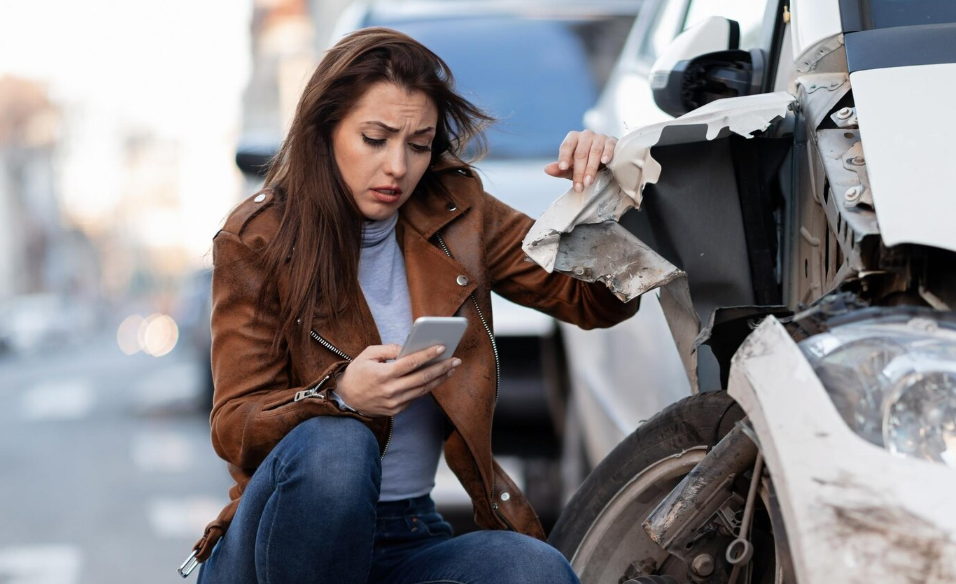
433	205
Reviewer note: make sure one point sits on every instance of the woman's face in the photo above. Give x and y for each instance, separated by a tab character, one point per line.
383	146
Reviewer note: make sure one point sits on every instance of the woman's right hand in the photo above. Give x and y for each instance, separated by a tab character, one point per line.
376	386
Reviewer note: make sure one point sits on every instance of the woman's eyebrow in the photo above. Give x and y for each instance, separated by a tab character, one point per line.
392	130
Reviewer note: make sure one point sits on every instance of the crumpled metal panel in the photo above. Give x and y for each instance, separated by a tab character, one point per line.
822	91
810	59
846	170
619	188
609	253
578	234
600	202
633	166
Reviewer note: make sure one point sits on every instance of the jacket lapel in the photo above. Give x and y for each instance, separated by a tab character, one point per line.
434	279
437	284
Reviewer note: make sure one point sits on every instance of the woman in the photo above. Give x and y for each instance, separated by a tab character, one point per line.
372	219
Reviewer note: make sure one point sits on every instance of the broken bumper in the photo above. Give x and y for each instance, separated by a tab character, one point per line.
853	512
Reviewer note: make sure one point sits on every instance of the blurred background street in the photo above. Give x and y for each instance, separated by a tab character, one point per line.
107	471
128	130
118	125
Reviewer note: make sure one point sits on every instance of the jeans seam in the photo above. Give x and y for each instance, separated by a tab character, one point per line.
278	468
265	560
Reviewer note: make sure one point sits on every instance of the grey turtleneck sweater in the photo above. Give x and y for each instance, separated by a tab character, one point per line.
409	466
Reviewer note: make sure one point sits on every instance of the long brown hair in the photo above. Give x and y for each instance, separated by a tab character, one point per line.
319	237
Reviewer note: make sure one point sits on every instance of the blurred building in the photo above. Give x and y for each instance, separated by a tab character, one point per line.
325	14
288	37
39	251
283	56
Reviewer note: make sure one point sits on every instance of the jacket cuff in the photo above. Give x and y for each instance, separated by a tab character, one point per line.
341	402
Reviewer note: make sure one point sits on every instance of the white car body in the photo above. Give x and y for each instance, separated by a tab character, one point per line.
875	170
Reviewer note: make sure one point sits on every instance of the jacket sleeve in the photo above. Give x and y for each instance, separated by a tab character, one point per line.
254	403
587	305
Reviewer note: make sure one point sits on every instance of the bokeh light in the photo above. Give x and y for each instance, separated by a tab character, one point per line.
127	335
158	334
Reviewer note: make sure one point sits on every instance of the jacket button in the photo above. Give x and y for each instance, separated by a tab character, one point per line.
505	496
451	206
462	280
260	198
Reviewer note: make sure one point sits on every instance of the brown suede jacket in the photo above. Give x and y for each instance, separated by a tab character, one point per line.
260	397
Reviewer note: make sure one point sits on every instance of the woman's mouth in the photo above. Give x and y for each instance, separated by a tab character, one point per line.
387	194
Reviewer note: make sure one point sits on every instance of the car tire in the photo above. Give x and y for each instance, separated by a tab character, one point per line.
599	531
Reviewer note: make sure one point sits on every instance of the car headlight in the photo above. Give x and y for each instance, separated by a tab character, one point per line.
893	380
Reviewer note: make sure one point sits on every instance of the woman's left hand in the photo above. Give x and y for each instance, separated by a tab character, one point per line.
580	156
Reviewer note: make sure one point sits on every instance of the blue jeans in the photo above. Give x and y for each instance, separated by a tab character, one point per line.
309	515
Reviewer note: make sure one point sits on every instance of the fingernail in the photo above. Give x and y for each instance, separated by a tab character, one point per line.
605	160
563	165
587	180
439	350
578	187
456	363
451	372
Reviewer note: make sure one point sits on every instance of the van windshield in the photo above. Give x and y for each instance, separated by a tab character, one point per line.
537	76
893	13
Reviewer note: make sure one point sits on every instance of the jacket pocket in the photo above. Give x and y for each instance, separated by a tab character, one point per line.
315	392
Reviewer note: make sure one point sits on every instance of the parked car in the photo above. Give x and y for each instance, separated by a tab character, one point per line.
795	221
33	322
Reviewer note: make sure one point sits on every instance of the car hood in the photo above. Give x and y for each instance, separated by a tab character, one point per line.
909	150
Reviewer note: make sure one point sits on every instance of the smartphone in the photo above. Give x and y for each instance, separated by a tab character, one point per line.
429	331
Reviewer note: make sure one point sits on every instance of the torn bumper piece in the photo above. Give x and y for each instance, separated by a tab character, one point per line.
578	234
630	273
606	252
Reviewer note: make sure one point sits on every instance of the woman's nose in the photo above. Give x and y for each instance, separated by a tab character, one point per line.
395	163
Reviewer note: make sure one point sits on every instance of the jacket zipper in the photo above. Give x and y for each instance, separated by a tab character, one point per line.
340	353
501	516
484	323
494	349
329	345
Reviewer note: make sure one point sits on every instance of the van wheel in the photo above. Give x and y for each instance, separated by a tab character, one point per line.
600	529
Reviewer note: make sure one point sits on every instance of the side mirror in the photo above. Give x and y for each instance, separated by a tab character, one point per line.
704	64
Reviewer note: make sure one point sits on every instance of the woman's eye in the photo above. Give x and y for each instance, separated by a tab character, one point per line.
421	149
372	141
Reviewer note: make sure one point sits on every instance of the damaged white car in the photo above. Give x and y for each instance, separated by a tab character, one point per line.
799	234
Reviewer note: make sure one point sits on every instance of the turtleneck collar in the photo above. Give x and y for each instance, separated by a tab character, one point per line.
375	232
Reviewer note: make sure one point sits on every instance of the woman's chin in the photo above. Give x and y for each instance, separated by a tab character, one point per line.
379	206
379	212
